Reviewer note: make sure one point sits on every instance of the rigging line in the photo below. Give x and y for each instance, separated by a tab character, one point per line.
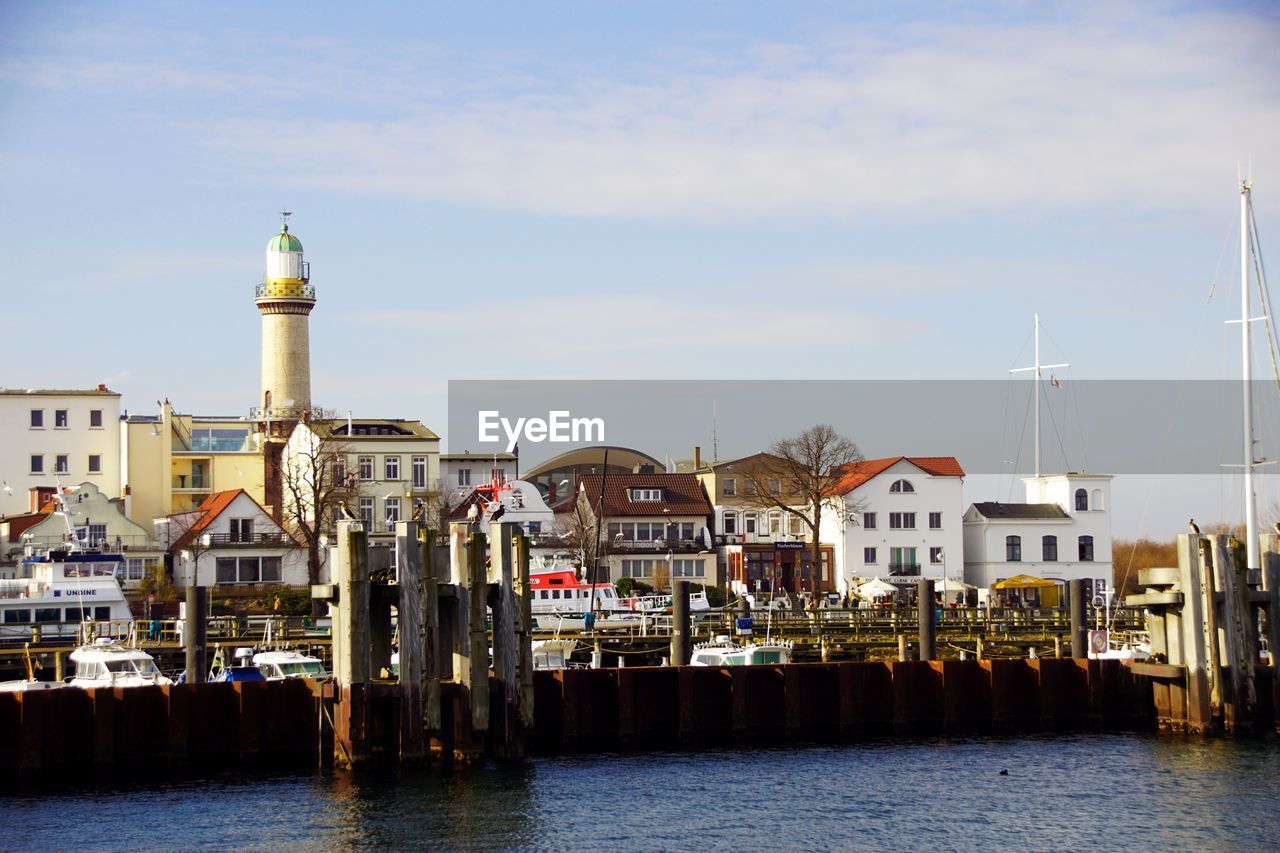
1264	295
1022	437
1004	433
1061	444
1226	241
1072	399
1054	423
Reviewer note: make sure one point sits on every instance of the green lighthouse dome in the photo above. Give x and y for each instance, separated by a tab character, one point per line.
284	242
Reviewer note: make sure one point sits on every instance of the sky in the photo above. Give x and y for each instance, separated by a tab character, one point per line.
612	190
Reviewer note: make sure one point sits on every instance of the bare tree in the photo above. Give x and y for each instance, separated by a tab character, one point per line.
314	478
579	530
799	477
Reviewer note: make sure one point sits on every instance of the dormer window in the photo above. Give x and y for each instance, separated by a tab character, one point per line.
901	487
646	494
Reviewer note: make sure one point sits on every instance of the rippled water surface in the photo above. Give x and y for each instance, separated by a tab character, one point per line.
1138	792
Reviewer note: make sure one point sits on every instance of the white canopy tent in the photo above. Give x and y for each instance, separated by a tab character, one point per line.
874	589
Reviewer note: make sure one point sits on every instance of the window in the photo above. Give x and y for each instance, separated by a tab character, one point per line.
95	463
869	520
646	494
95	418
1082	500
730	522
60	418
48	614
1086	549
749	487
365	467
794	524
13	617
935	521
366	510
775	523
419	472
392	508
775	487
1013	548
220	440
1049	549
391	467
37	463
687	569
135	568
61	464
749	523
935	555
902	561
532	527
37	418
868	555
901	487
731	486
339	470
242	530
637	568
902	521
249	570
464	476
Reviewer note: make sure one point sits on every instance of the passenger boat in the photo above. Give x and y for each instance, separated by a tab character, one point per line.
107	663
725	652
560	600
59	590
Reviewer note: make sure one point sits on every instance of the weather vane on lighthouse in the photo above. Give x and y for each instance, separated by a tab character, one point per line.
284	218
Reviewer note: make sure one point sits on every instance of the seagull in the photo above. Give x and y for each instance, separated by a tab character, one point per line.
473	514
498	513
419	510
1191	524
346	511
8	490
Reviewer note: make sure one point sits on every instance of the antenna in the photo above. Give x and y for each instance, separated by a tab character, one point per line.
284	218
1038	368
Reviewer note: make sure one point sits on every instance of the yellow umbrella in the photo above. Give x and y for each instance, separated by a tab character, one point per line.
1023	582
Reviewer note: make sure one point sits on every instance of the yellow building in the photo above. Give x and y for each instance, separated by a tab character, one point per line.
172	462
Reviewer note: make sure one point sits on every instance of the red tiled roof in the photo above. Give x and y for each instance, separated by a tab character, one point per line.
861	472
682	494
209	509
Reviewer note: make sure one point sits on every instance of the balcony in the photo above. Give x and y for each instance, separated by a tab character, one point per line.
249	540
284	290
680	546
191	483
904	570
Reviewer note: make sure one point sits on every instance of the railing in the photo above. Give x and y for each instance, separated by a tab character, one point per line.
190	481
619	546
110	545
904	570
284	291
248	539
291	413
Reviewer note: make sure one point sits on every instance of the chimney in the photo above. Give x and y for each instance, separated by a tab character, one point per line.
697	458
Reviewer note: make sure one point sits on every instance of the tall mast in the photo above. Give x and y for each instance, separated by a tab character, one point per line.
1250	506
1036	369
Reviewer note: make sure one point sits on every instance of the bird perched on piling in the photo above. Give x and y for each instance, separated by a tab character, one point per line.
473	514
419	510
498	513
346	511
1193	527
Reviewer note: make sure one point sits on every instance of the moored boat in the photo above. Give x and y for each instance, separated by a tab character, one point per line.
107	663
725	652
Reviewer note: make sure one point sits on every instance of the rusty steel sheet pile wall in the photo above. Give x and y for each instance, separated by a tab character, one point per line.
581	710
66	732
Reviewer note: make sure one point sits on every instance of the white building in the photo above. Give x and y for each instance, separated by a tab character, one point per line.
460	473
231	541
54	437
1061	533
902	520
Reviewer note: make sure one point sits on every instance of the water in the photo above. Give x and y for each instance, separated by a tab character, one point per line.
1118	792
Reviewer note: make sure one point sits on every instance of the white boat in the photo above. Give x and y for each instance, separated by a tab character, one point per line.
280	665
1112	645
724	652
554	654
28	686
59	590
107	663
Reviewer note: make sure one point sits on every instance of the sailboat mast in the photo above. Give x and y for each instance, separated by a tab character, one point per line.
1250	506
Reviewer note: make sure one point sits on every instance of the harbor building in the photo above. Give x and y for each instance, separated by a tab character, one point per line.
231	541
656	526
899	519
761	546
57	437
1062	532
557	478
460	473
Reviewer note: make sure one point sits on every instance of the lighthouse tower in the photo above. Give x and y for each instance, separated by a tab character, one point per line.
285	299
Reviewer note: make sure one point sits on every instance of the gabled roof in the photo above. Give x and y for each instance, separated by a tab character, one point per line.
212	507
868	469
995	509
682	494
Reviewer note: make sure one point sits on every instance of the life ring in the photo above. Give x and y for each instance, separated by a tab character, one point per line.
1099	642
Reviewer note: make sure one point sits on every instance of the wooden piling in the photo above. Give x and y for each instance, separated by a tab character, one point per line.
409	622
926	616
1236	634
1076	595
351	650
681	631
524	631
508	729
428	563
195	634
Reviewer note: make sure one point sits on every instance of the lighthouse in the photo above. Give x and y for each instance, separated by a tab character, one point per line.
285	299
